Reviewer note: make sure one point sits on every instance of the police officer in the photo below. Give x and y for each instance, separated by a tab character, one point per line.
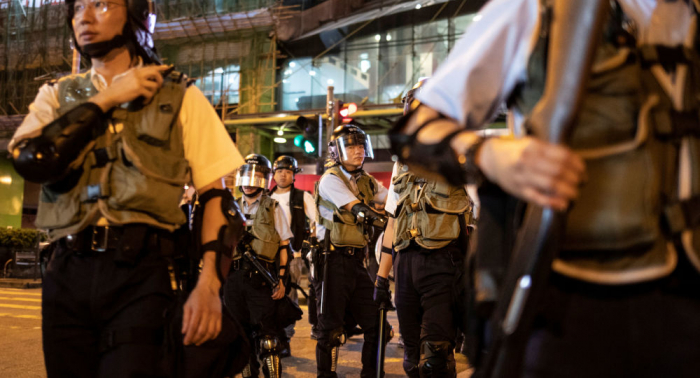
345	195
624	285
429	235
300	209
113	149
247	295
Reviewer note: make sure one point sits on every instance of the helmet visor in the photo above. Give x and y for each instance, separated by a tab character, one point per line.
346	142
253	175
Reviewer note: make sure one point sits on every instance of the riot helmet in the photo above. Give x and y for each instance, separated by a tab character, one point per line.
411	94
137	34
286	162
346	136
256	172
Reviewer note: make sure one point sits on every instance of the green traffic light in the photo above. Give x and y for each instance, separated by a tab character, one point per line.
309	148
298	140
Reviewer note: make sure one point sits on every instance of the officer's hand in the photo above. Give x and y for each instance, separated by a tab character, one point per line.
536	171
202	313
382	294
278	292
136	82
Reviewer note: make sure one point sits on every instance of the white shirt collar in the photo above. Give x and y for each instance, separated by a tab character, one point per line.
99	81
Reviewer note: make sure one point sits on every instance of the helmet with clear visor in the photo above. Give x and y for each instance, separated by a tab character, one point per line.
256	172
346	136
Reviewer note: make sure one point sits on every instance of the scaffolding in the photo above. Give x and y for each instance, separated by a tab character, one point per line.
227	46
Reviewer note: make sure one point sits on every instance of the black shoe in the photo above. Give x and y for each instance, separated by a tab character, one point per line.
286	352
354	331
286	348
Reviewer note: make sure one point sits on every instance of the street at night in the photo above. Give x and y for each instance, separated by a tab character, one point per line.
21	355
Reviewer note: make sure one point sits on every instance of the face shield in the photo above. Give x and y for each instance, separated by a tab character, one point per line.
346	142
253	175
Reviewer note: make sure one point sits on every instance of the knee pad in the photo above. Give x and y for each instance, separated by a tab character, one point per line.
336	337
269	344
437	359
270	348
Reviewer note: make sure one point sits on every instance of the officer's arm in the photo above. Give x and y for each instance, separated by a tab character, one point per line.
387	260
202	312
45	158
350	205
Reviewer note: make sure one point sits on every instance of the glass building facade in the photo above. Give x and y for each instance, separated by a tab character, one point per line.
377	68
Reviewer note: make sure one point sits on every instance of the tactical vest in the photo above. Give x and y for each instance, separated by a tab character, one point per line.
300	225
345	231
266	240
642	155
428	212
134	176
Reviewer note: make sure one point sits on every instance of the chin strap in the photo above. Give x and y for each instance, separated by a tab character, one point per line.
100	49
251	195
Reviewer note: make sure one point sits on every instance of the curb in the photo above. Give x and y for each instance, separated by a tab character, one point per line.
19	284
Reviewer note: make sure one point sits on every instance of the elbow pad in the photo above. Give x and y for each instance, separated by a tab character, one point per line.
230	234
45	159
366	214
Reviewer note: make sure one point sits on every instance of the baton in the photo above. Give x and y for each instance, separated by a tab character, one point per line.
265	273
382	340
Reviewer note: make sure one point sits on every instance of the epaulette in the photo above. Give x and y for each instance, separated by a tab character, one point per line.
177	77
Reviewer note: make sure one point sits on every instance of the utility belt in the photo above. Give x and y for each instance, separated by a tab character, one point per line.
349	251
126	241
243	264
252	276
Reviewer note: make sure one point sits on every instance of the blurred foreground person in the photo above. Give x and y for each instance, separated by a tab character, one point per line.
113	149
617	81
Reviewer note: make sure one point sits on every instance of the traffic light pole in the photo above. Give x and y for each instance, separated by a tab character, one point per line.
331	116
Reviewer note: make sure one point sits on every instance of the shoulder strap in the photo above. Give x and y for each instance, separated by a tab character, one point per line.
335	171
296	197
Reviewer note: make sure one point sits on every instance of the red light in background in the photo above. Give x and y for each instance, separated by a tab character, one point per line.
348	109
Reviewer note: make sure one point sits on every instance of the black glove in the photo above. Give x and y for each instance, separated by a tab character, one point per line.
382	294
369	216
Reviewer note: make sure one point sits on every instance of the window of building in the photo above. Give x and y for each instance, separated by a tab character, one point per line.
380	68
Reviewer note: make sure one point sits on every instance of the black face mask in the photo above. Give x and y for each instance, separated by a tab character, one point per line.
100	49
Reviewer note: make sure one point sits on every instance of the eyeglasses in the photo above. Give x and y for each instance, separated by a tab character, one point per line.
99	7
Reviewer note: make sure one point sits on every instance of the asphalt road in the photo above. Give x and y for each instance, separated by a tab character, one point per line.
21	355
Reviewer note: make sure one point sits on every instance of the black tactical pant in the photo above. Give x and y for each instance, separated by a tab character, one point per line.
349	289
249	299
643	330
102	318
425	281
